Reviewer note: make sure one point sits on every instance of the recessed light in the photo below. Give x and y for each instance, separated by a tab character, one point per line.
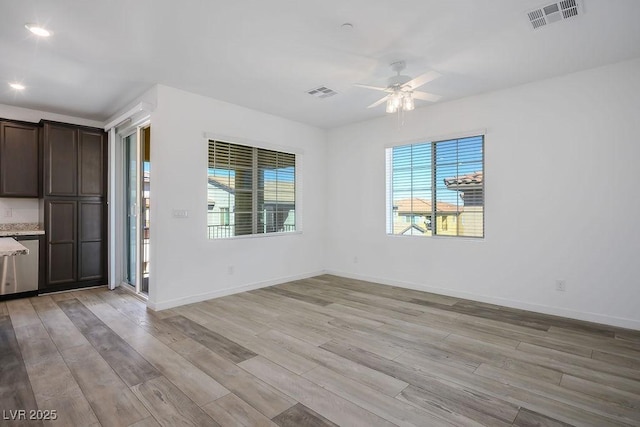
38	30
347	27
17	86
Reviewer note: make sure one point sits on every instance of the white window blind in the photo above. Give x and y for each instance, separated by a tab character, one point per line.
252	190
436	188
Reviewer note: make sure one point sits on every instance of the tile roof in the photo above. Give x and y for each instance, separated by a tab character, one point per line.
421	206
472	180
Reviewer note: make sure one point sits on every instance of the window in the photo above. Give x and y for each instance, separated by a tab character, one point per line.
436	188
224	216
252	189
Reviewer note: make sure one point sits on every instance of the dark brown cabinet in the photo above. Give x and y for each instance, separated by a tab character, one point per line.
74	160
76	244
61	226
75	165
91	240
19	160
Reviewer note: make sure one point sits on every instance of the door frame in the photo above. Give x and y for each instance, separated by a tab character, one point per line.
117	206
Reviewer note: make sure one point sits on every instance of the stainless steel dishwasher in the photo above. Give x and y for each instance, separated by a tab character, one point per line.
27	268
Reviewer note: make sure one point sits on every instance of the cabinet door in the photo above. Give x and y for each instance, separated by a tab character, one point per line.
61	160
91	163
61	241
91	244
19	160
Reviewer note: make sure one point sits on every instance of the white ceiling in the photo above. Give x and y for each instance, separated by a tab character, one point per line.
265	55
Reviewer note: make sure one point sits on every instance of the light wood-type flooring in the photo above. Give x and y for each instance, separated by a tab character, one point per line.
317	352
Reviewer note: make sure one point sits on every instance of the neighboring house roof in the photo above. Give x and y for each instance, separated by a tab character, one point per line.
463	182
279	191
221	182
421	206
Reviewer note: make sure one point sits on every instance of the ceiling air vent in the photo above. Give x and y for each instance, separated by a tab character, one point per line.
322	92
554	12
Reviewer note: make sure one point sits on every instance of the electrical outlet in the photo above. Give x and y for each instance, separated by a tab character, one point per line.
355	259
561	285
180	213
230	269
8	213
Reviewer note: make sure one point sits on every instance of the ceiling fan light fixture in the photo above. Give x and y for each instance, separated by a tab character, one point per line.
394	102
37	30
391	106
407	102
17	86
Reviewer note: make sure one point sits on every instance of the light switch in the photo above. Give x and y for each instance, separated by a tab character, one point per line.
180	213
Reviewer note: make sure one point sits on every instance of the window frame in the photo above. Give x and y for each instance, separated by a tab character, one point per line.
390	207
255	189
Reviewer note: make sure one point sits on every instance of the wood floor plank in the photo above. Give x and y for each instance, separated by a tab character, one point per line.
170	407
60	328
35	343
628	335
472	385
213	341
251	389
142	317
527	418
329	405
464	413
614	359
195	384
147	422
389	408
111	400
299	296
300	415
602	372
609	344
231	410
283	357
547	358
21	312
621	414
15	388
128	363
469	402
52	383
610	394
370	377
245	319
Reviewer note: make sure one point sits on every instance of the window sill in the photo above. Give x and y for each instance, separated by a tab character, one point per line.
257	236
439	237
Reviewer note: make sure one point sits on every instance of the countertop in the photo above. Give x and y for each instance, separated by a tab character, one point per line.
21	229
10	247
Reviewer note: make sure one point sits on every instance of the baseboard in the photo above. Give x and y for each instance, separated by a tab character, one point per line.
620	322
163	305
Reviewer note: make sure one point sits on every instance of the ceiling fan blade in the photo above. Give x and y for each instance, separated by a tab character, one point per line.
426	96
422	79
378	102
382	89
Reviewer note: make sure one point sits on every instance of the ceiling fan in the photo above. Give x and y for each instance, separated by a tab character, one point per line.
402	89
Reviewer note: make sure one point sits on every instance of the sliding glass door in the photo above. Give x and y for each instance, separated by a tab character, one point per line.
136	147
132	206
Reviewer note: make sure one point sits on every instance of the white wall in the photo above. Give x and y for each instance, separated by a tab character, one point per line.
185	265
561	174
